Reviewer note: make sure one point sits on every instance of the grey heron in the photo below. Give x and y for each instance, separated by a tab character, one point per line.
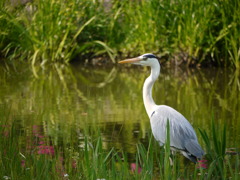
182	135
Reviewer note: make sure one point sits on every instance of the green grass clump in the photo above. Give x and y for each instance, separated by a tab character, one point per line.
89	160
20	158
190	31
193	32
51	31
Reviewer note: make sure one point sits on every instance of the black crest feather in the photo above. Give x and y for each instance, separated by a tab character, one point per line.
149	56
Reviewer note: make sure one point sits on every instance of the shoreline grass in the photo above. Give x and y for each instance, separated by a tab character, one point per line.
92	161
190	32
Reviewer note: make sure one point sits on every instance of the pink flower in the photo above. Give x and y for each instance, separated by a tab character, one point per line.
41	142
202	164
134	166
74	164
23	163
46	150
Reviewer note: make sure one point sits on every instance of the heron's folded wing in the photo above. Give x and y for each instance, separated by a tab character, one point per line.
181	130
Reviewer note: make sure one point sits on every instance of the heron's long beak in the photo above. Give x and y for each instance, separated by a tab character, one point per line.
133	60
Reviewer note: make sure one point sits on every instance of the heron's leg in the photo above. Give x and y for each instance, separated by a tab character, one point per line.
171	161
173	153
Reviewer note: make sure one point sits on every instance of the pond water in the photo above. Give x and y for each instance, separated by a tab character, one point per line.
65	104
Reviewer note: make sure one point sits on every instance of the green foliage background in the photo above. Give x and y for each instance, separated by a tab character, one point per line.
193	32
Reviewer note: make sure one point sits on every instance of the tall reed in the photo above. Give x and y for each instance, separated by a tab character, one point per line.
92	161
193	32
52	31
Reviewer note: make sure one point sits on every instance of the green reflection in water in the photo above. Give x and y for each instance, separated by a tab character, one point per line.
67	103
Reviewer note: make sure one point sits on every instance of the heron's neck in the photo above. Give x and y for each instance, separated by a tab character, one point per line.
147	89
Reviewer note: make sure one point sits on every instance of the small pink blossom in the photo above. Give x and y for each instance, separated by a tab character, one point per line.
23	163
46	150
202	164
41	142
74	164
134	167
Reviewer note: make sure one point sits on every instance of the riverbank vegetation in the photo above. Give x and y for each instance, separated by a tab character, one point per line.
88	159
189	32
78	127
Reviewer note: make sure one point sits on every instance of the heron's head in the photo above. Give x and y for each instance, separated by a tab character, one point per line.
144	60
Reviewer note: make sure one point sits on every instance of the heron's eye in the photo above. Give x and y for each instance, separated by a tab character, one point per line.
145	58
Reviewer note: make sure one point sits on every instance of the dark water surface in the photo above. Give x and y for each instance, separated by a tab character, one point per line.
65	104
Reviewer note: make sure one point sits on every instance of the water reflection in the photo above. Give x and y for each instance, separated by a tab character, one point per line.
66	104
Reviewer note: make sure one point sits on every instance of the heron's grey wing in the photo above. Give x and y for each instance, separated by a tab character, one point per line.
182	134
194	148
